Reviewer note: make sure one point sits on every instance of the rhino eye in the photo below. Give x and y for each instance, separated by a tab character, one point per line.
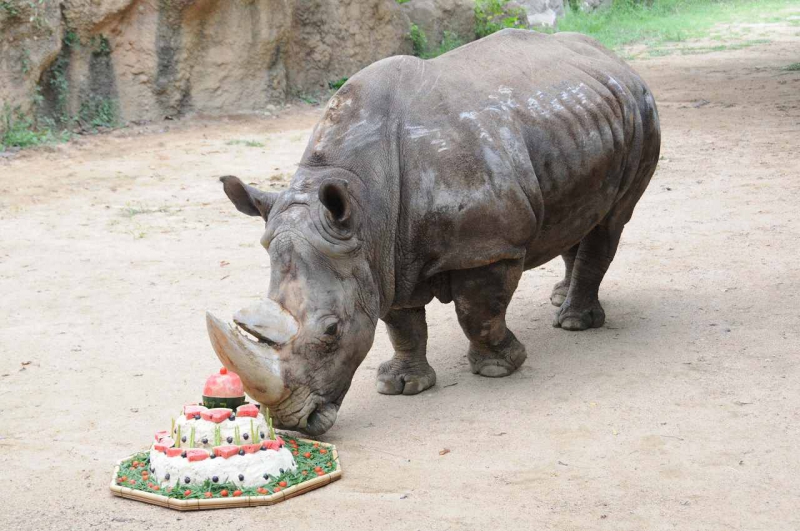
332	329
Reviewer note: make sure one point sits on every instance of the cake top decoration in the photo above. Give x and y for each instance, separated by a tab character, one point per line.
224	389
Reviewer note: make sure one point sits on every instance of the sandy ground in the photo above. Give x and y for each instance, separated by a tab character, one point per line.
683	412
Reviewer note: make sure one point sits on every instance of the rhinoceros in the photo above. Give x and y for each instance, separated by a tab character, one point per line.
443	178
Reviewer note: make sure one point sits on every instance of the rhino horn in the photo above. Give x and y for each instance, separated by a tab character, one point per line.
256	363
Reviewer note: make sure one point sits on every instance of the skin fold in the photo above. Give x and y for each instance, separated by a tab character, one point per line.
446	178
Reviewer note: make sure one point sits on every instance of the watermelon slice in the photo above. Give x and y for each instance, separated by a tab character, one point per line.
219	414
272	445
247	410
174	452
251	448
164	444
196	455
161	434
226	451
191	410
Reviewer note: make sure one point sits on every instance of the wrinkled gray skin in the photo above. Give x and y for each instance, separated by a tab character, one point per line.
446	178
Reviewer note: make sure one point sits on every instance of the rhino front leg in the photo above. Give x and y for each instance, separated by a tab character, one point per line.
581	309
408	371
560	290
481	297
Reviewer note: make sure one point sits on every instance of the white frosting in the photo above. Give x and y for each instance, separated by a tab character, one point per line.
251	466
206	428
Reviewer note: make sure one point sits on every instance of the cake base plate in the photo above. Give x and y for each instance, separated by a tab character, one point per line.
231	502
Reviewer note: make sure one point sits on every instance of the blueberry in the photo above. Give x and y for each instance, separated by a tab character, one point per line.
232	417
241	477
262	435
266	476
183	439
263	448
215	479
183	454
166	476
245	436
280	470
213	455
205	440
241	452
197	417
230	440
186	480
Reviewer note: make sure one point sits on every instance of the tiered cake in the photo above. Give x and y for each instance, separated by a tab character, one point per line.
224	440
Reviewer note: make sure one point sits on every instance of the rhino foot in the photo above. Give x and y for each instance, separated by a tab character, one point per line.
559	294
399	376
579	317
497	362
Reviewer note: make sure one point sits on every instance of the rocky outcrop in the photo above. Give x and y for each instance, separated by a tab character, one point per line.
543	13
99	62
593	5
434	17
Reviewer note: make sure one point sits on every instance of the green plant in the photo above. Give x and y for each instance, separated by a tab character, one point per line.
21	131
10	9
248	143
100	45
494	15
419	42
450	41
402	1
97	111
794	67
658	21
336	85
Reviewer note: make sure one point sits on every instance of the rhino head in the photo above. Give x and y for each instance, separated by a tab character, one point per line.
297	350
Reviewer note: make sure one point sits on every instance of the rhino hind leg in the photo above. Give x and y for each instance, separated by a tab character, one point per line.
581	309
481	297
561	289
408	372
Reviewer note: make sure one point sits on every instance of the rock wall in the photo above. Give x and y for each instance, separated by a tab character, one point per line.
97	62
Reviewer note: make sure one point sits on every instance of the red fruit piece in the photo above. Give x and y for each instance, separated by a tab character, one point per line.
323	451
282	484
247	410
237	493
164	445
272	445
218	414
156	487
187	493
224	493
174	452
208	494
307	455
226	451
190	410
196	455
277	489
281	441
251	448
160	435
320	473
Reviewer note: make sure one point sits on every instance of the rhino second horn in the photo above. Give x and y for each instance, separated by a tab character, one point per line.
257	364
268	321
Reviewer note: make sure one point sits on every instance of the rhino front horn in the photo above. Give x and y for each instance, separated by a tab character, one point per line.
256	363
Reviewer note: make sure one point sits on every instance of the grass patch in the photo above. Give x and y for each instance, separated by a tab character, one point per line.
419	43
653	23
794	67
132	210
20	131
336	85
240	142
494	15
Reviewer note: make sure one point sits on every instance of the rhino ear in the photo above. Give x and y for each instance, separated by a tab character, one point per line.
335	198
247	199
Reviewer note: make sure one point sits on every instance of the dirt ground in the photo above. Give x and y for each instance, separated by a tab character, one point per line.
683	412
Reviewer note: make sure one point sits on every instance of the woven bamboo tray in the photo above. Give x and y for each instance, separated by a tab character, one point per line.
227	503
